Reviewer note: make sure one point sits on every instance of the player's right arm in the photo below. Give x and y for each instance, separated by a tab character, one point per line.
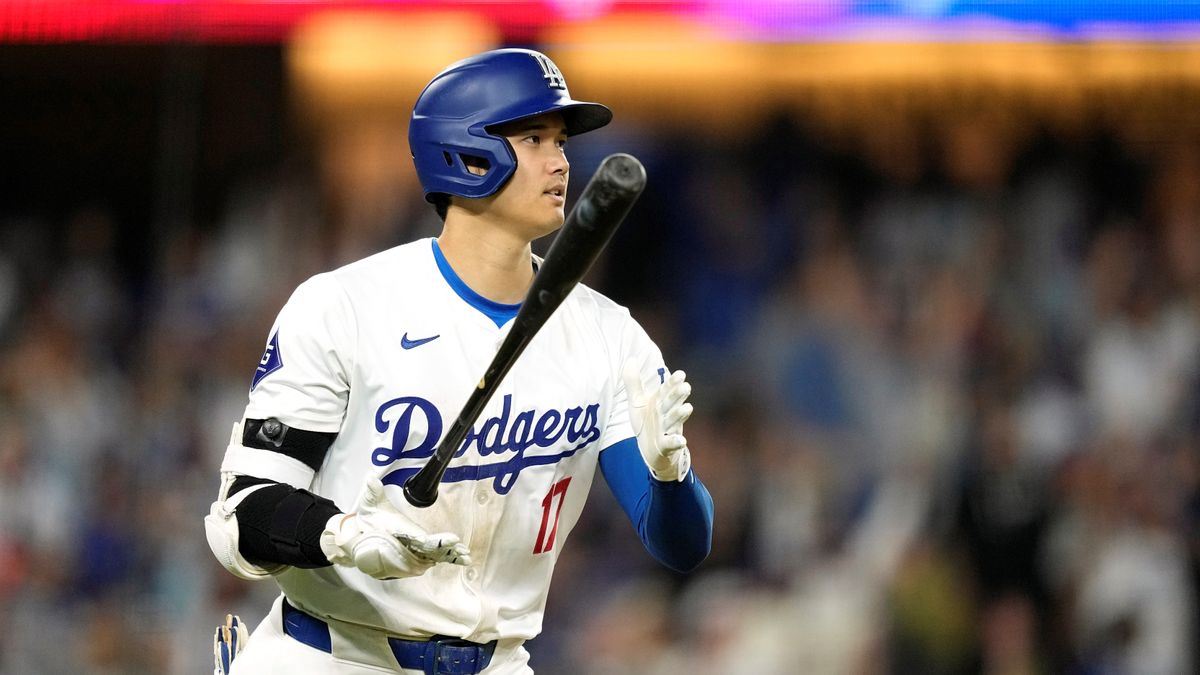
262	526
265	518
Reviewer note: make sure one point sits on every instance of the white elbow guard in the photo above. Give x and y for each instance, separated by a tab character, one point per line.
221	530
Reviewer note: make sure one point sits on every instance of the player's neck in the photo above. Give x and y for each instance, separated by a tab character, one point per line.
491	262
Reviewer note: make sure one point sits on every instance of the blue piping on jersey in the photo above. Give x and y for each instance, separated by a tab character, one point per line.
498	312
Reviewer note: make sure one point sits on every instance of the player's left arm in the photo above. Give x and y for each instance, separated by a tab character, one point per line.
674	519
651	474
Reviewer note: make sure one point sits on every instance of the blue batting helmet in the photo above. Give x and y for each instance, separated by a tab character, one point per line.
455	114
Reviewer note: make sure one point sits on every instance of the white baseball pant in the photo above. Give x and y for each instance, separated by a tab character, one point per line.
270	651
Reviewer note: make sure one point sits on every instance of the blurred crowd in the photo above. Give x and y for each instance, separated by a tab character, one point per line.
947	392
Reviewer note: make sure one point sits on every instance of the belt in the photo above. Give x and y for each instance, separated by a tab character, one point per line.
439	655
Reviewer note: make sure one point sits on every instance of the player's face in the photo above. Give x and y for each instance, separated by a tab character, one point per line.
533	200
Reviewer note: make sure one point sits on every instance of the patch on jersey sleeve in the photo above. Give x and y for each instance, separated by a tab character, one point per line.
271	361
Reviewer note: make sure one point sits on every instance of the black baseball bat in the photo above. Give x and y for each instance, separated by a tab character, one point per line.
600	209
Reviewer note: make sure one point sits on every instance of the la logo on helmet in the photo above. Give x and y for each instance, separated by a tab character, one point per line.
554	76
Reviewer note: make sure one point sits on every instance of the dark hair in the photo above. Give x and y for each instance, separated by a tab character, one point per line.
441	204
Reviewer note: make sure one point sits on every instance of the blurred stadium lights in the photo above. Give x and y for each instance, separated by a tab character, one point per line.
656	66
666	59
224	21
665	68
379	59
265	21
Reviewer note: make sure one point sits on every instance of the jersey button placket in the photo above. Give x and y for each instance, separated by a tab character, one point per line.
481	515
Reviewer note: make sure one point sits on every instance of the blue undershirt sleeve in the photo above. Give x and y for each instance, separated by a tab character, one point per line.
674	520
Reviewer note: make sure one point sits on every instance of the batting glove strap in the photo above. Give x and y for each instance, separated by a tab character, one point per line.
675	469
337	542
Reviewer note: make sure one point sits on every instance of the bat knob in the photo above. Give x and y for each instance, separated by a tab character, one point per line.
419	501
625	172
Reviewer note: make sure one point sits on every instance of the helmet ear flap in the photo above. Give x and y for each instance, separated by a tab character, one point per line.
476	168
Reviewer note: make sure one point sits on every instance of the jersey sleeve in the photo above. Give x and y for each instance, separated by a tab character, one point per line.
303	378
632	343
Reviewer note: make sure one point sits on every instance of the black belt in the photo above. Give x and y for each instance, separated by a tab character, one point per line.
439	655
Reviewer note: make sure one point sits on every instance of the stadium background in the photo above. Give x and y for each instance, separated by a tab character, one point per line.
934	267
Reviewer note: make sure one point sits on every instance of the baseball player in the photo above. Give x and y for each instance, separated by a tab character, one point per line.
365	367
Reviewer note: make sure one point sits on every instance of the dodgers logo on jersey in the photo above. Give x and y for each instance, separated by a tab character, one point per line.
271	361
513	440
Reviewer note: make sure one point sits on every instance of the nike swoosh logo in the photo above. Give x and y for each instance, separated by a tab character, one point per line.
409	344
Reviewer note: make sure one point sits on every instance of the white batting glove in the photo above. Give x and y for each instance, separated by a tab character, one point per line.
381	541
657	417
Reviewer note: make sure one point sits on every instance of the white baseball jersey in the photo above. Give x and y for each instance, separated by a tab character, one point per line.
385	352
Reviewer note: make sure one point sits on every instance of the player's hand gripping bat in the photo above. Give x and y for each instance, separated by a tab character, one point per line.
600	209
